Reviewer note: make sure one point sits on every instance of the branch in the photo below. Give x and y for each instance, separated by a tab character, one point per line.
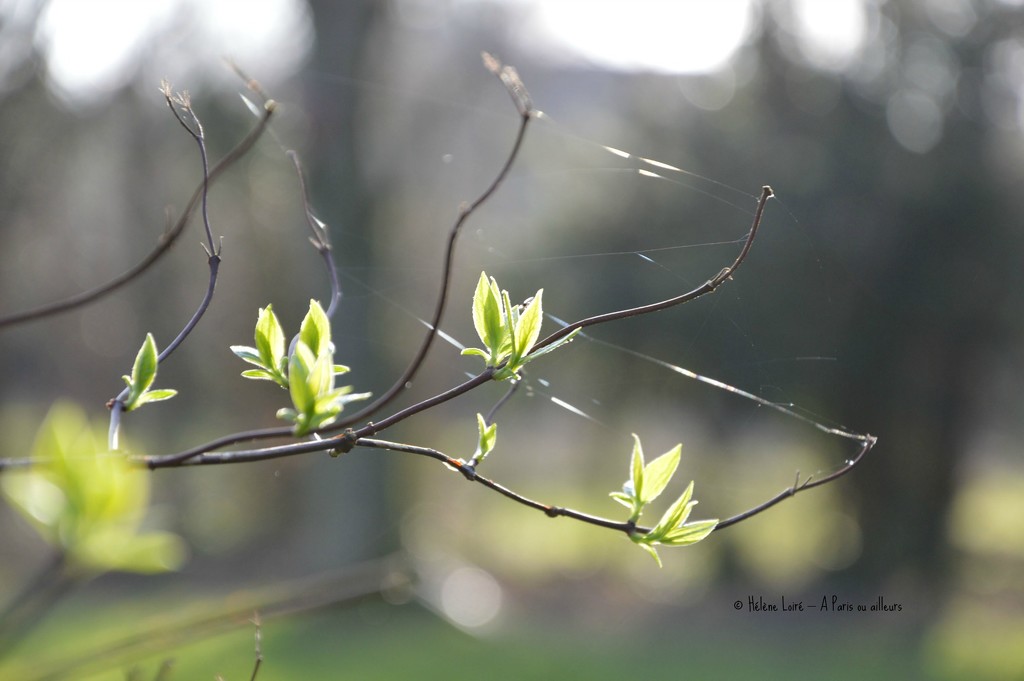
524	106
164	244
705	288
516	89
174	102
866	445
204	454
321	239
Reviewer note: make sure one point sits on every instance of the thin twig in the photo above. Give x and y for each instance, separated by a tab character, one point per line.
167	239
321	240
213	259
866	445
203	456
470	474
707	287
518	93
523	105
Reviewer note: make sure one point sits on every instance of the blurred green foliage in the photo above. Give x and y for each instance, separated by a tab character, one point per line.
87	502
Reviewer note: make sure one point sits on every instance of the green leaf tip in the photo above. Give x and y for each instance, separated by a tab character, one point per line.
307	371
645	484
508	332
488	436
88	502
143	375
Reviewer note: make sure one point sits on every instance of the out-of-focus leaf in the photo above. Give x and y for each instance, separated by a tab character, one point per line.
86	501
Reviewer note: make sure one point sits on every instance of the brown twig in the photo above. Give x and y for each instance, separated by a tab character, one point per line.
167	239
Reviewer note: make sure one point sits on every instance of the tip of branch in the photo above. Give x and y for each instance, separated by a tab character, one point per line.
491	63
512	82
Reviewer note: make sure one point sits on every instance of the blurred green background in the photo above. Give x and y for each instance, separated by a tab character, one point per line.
883	294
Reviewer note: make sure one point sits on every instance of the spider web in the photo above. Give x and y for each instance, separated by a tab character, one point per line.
709	373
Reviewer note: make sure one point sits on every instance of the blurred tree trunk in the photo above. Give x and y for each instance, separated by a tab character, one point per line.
346	498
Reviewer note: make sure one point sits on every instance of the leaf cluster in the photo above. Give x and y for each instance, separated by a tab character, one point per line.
306	370
645	484
87	501
507	331
142	377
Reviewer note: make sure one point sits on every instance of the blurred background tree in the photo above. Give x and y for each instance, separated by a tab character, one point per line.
890	131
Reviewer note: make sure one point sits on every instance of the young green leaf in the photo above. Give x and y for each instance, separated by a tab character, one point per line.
300	365
636	472
487	318
528	326
143	372
270	341
488	436
154	396
510	318
658	473
88	502
143	375
248	354
676	514
315	330
690	533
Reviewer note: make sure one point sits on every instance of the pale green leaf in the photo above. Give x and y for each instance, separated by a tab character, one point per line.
143	372
623	498
299	367
658	473
676	514
488	436
690	533
270	341
650	550
155	396
510	318
315	330
114	548
476	351
248	354
528	325
636	472
321	375
487	317
85	500
259	374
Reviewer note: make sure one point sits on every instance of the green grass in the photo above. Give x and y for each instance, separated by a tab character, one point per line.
376	641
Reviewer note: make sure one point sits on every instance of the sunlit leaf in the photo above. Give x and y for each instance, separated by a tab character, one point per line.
259	374
315	330
528	325
86	501
510	317
676	514
487	318
488	436
658	473
270	341
143	375
155	396
300	364
690	533
250	355
636	470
